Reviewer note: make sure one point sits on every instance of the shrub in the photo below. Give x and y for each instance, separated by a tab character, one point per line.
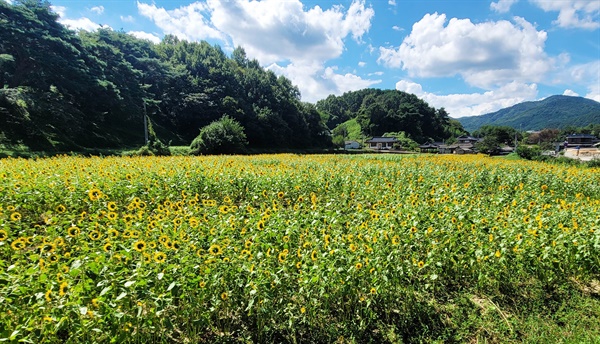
224	136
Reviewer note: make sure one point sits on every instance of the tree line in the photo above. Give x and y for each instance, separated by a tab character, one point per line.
388	111
62	90
66	90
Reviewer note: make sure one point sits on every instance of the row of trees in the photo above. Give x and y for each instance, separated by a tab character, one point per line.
62	90
386	111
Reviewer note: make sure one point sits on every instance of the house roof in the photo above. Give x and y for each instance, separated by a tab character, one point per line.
382	140
581	136
428	145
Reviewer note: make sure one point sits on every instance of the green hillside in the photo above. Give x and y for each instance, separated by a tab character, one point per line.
552	112
62	90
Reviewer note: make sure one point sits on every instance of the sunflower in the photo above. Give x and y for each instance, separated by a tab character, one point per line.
128	218
18	244
59	242
112	215
373	291
224	209
61	208
498	254
215	250
53	258
260	225
175	245
113	233
224	296
48	294
3	235
15	216
286	238
413	229
163	239
280	194
202	284
159	257
281	256
147	258
420	264
193	222
47	247
395	240
177	221
139	245
62	290
94	194
95	235
112	206
107	247
358	266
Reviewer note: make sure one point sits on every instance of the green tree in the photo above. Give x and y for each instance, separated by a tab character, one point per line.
224	136
489	145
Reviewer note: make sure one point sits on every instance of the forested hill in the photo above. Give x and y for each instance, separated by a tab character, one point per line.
553	112
62	90
390	111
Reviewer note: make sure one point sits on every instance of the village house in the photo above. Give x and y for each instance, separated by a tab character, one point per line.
351	145
380	143
581	140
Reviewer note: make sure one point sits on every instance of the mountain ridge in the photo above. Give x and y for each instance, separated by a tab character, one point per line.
557	111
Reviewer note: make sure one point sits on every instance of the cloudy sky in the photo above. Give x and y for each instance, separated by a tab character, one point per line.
469	56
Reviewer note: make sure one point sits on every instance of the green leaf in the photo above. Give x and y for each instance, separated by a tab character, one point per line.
122	295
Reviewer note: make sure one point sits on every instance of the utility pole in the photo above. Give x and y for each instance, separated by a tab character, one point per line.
145	125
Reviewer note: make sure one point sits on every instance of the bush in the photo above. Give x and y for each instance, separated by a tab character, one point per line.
529	152
224	136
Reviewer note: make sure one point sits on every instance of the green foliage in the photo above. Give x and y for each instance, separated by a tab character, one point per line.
503	134
553	112
224	136
63	90
381	111
155	146
295	248
489	145
404	141
529	152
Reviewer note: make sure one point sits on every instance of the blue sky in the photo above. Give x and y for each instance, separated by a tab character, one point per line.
469	56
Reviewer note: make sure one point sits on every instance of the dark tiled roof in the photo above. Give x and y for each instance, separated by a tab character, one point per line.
382	140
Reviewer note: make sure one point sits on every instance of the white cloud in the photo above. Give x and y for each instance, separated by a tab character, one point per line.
293	33
473	104
127	19
392	2
583	14
397	28
97	9
60	10
187	22
568	92
486	55
82	23
145	35
9	1
362	64
586	75
316	82
502	6
277	33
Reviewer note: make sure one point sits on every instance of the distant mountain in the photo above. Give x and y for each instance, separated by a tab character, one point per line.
552	112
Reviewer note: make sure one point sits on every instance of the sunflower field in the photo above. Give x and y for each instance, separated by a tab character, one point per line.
291	248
